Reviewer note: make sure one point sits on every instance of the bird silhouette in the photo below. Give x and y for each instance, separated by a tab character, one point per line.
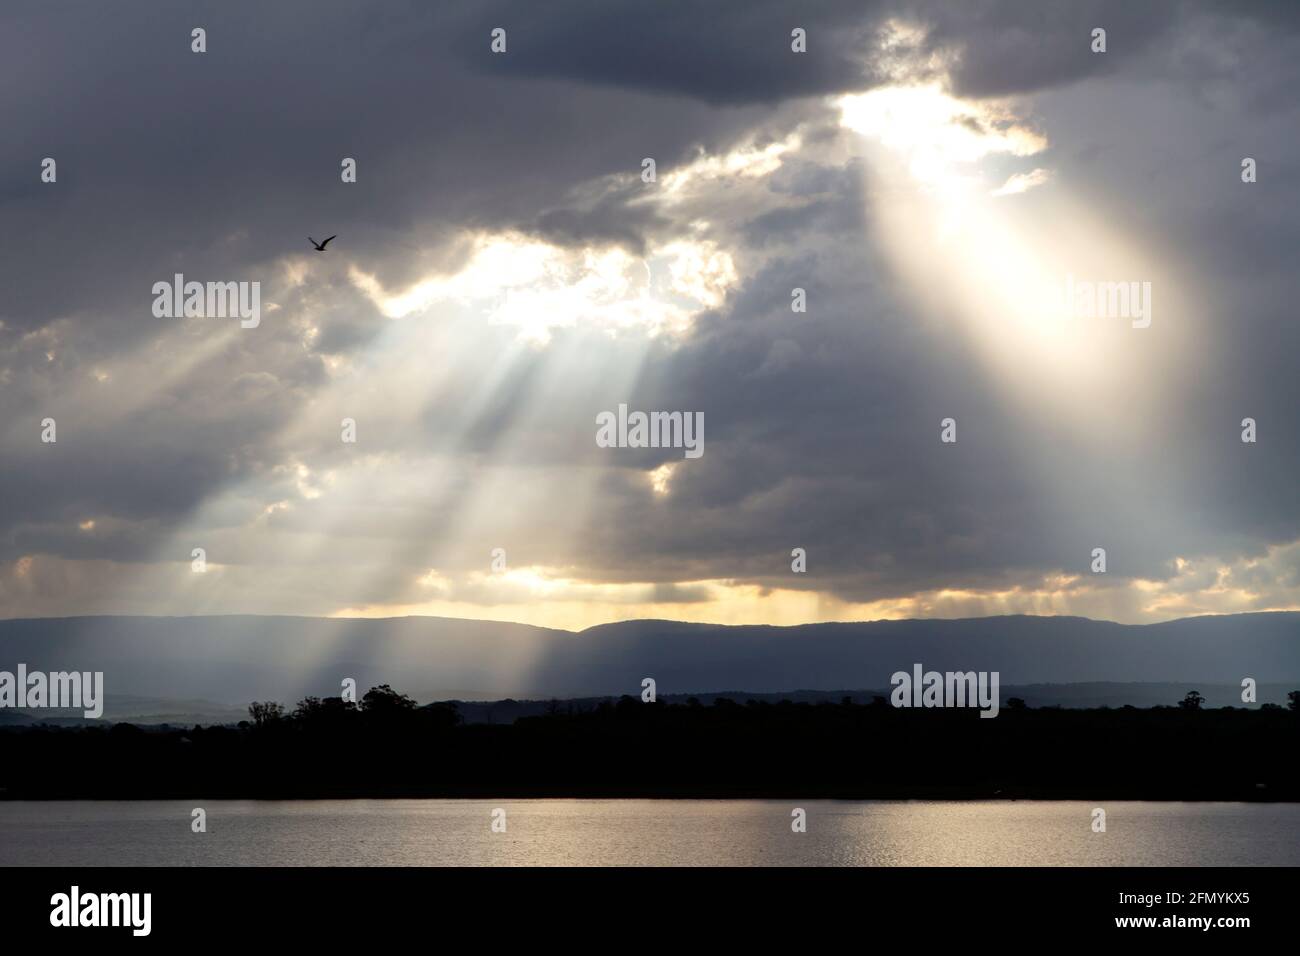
320	246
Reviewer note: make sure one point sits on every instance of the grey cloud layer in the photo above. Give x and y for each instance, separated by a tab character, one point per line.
821	430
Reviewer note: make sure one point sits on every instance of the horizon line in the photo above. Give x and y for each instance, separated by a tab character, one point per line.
540	627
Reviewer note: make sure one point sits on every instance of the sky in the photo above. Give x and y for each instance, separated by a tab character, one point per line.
937	178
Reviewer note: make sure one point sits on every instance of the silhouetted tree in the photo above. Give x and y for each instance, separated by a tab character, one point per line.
1015	703
265	712
446	716
1293	700
322	712
384	700
758	749
1192	701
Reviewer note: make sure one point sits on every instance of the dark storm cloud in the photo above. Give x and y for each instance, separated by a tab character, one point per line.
844	458
836	457
736	51
1002	48
216	164
611	220
725	52
821	428
731	51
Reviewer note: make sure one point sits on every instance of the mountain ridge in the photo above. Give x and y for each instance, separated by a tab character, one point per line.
232	659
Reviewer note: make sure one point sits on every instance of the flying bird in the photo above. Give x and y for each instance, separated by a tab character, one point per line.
320	246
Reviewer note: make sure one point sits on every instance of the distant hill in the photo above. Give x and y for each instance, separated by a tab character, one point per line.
144	711
173	662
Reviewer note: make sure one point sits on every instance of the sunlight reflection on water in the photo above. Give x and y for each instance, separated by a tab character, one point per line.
653	832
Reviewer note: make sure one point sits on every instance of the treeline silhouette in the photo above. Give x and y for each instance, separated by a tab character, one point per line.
388	746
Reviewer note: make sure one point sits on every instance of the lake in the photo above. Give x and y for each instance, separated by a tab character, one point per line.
653	832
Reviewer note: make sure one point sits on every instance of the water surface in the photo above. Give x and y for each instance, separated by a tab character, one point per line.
654	832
